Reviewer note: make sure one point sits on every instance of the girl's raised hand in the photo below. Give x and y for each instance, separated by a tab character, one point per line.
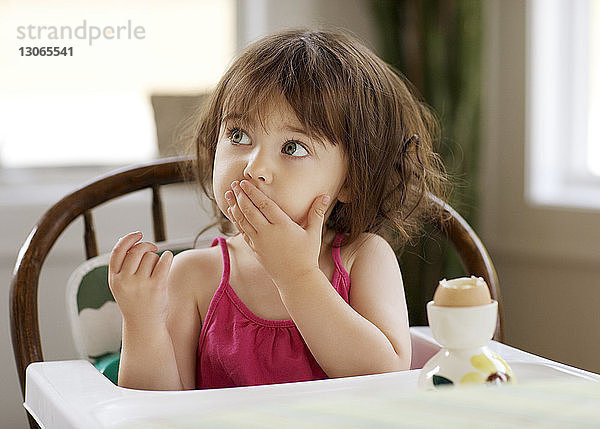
284	248
137	277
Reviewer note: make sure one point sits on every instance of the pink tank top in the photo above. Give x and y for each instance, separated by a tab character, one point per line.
238	348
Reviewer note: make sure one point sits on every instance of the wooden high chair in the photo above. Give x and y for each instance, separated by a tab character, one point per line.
24	287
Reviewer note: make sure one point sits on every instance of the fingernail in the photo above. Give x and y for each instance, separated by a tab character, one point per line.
229	196
326	199
234	184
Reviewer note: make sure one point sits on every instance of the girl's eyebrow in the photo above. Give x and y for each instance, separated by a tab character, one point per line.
301	130
229	116
311	139
238	119
295	129
232	117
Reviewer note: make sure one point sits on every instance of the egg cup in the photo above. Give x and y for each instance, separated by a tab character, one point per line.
464	358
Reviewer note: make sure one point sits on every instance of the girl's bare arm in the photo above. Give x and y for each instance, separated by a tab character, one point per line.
138	281
372	335
161	322
184	322
147	358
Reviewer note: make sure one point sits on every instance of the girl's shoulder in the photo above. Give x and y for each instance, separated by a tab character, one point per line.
375	276
197	272
192	262
367	247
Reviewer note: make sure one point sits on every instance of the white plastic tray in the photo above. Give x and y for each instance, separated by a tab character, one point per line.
73	394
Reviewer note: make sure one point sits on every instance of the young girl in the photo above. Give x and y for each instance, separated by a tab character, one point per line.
313	148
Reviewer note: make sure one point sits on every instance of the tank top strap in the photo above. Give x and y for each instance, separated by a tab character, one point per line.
225	252
341	278
336	249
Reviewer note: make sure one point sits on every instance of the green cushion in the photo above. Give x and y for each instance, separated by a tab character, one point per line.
93	290
108	365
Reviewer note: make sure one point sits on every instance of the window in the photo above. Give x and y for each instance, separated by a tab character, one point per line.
564	103
90	103
594	90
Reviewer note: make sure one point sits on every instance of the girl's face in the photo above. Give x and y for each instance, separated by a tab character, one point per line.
280	160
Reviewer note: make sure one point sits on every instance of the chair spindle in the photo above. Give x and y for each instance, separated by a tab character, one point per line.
158	219
91	246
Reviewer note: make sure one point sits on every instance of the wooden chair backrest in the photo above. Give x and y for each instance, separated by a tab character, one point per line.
25	330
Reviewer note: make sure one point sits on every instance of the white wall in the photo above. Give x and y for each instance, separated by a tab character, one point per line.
548	260
257	18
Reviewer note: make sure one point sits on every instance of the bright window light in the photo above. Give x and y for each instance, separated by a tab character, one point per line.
594	90
92	107
563	99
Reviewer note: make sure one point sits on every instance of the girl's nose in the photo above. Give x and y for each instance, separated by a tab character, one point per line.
258	169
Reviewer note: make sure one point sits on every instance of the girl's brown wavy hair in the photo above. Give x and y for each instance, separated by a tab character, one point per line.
343	93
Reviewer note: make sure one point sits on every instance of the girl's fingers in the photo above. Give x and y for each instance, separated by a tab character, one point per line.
240	220
248	240
252	214
232	219
266	206
230	198
245	236
149	260
162	267
119	252
134	256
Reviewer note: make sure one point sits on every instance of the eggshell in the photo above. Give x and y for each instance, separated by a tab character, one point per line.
462	292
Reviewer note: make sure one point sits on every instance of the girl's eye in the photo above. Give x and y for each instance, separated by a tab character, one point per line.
293	148
237	136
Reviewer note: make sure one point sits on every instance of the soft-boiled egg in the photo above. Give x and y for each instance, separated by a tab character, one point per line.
462	292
